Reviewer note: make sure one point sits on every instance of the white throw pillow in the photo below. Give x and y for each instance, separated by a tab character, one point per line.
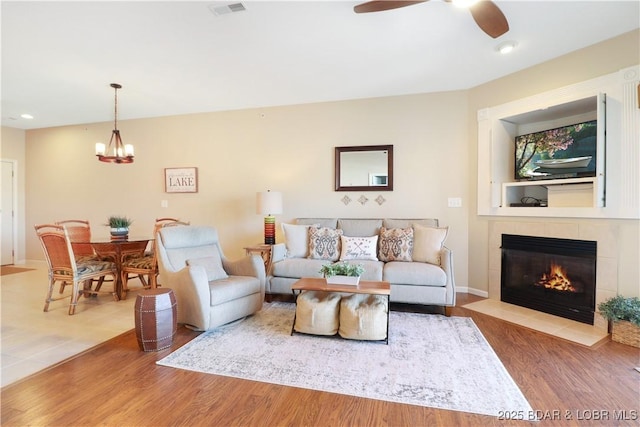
427	243
358	248
296	238
212	265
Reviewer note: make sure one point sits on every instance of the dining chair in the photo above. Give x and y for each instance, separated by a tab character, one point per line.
63	266
145	268
79	232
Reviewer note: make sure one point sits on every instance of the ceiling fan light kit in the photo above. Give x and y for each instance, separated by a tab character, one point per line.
487	15
506	47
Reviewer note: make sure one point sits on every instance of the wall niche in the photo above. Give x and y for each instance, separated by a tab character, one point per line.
611	191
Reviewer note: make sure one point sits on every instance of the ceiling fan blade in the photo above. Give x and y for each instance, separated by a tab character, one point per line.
377	6
489	18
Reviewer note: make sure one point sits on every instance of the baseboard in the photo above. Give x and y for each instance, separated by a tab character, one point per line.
478	292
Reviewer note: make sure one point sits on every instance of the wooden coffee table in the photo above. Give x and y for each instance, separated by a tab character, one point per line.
371	287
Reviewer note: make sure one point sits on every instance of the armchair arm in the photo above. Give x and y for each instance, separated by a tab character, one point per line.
252	265
193	297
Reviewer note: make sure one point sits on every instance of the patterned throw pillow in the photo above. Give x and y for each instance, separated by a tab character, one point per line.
396	244
324	243
428	243
358	248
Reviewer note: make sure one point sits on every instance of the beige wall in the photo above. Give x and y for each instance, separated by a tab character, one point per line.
12	147
237	153
290	149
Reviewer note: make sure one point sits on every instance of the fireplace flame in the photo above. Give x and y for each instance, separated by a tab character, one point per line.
556	279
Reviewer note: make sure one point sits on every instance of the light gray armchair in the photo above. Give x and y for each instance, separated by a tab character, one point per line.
210	289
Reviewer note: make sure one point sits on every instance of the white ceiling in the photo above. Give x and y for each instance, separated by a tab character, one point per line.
177	57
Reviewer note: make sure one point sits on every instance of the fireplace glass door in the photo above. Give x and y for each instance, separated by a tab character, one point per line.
555	276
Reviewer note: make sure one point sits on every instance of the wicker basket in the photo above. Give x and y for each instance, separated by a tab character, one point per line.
626	333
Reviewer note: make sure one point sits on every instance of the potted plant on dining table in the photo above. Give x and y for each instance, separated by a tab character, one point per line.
119	226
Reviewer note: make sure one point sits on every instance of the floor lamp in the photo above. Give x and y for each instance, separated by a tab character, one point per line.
269	203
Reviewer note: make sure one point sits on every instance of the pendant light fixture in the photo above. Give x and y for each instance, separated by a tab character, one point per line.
116	152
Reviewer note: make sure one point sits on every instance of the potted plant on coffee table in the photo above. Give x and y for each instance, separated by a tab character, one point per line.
119	226
342	273
623	313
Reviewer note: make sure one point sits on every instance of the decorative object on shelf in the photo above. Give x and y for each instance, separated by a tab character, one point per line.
380	200
362	199
269	203
181	180
342	273
624	315
119	226
346	200
116	152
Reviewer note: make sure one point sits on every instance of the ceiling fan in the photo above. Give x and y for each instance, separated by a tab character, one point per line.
486	14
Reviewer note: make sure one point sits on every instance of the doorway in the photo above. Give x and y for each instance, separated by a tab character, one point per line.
7	209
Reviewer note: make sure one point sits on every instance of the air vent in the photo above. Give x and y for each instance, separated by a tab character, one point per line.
223	9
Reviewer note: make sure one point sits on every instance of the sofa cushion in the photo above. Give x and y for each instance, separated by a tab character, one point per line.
298	267
414	273
404	223
296	238
372	269
358	248
322	222
360	227
396	244
427	243
231	288
212	265
324	243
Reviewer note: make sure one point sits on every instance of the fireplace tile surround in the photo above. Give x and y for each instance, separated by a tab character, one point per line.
606	235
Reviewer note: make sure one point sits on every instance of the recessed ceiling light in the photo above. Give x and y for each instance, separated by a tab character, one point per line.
26	116
506	47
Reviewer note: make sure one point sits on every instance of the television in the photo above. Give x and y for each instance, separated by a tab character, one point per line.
563	152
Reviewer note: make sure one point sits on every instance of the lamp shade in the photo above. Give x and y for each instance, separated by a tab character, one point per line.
269	202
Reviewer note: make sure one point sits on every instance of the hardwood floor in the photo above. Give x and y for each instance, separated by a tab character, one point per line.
115	384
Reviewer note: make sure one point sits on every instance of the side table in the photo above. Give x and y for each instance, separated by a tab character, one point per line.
264	251
155	318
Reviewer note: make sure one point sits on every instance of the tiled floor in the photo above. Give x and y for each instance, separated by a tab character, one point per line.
570	330
31	339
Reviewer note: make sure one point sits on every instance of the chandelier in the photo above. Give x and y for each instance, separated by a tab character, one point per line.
116	152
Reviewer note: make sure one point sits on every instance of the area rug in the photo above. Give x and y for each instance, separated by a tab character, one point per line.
431	360
9	269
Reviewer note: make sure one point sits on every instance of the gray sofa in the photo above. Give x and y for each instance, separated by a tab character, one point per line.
413	280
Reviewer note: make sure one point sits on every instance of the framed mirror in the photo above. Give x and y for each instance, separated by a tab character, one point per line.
364	168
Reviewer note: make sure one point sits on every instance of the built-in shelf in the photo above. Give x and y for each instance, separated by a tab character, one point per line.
613	192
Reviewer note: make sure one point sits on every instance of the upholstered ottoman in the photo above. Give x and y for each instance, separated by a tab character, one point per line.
364	317
317	313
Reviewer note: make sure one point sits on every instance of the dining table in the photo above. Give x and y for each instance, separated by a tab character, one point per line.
118	250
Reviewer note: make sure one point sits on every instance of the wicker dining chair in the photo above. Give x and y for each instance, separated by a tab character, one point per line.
63	266
79	231
145	268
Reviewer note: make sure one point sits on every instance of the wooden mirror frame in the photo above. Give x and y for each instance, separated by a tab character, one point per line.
387	148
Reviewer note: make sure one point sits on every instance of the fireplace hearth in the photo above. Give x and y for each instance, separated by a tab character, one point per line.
555	276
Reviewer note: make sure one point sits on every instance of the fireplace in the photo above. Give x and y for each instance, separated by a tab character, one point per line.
555	276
